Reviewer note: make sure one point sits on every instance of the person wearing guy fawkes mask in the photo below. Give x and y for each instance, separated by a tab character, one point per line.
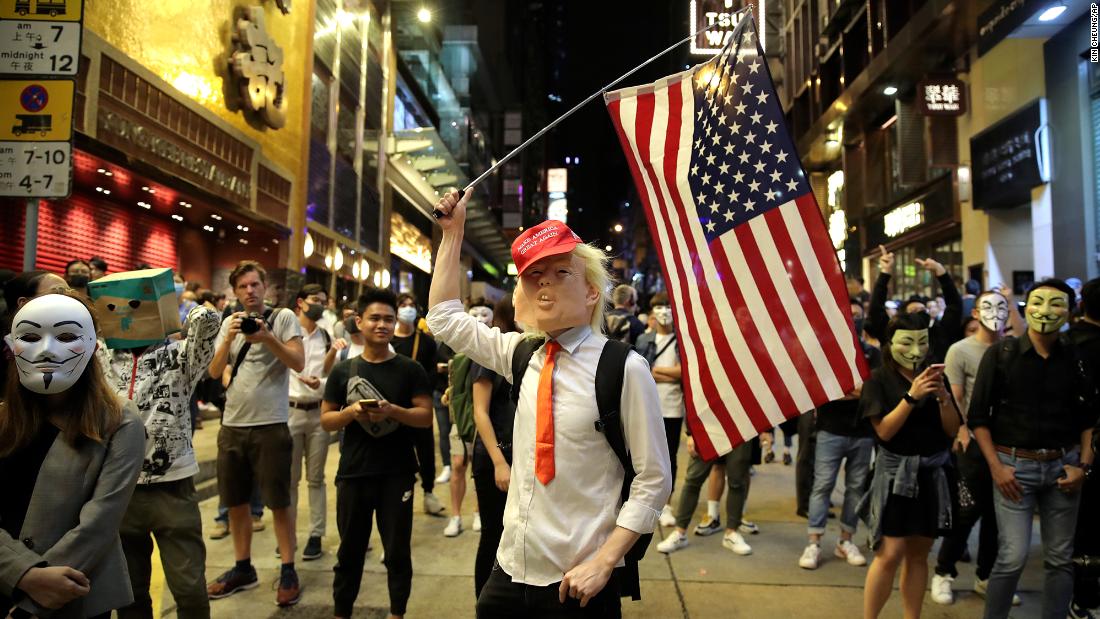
420	347
1032	412
909	504
661	351
310	440
975	487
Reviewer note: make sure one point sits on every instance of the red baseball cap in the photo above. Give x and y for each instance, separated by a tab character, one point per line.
549	238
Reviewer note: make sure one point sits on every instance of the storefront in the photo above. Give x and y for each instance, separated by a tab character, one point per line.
921	225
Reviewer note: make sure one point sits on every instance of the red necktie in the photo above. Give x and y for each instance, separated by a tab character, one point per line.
544	423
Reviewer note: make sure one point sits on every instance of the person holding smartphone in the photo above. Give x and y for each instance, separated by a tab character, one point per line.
379	399
910	407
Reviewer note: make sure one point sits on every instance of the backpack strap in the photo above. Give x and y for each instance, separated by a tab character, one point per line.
610	372
521	358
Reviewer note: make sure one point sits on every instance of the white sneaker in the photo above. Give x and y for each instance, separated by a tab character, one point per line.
733	541
675	541
808	560
432	506
477	522
454	527
748	527
981	586
848	551
667	519
445	476
941	590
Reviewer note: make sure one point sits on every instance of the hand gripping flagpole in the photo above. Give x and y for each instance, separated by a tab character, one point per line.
462	192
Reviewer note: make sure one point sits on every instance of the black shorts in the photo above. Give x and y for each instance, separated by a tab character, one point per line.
913	516
255	455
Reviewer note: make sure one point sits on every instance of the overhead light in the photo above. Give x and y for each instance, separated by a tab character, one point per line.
1052	13
216	216
145	205
101	170
177	217
424	15
608	248
618	227
99	189
355	270
107	192
307	245
208	228
338	259
244	229
890	91
243	241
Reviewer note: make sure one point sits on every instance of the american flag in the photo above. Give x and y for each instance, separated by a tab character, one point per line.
760	305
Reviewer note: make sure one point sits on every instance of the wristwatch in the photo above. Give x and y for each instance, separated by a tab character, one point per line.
910	399
1087	468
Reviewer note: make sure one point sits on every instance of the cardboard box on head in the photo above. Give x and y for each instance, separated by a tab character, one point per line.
136	308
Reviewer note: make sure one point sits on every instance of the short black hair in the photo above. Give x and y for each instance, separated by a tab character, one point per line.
406	296
661	298
309	289
1057	284
98	263
916	298
376	295
1090	298
478	302
76	261
973	287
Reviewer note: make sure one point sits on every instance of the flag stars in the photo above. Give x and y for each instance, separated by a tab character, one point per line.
771	195
781	156
735	128
714	207
710	159
740	107
706	179
722	120
719	187
739	177
776	176
695	170
756	118
755	66
716	139
743	157
759	166
792	185
750	205
766	147
710	226
728	148
735	196
771	126
729	215
726	99
754	186
762	97
724	168
750	137
747	88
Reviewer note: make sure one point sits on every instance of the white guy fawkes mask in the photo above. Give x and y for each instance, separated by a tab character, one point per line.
993	312
663	315
53	340
482	313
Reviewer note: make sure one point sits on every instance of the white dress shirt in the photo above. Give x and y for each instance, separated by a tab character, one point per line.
550	529
313	346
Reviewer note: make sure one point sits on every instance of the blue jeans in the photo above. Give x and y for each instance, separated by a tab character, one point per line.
1058	520
831	449
256	504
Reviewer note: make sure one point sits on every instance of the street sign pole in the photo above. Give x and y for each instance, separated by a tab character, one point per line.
30	235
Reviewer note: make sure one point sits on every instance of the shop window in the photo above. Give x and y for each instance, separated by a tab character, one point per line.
317	194
318	115
345	201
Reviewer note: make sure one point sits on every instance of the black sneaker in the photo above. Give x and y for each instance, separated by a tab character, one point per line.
289	593
231	582
313	549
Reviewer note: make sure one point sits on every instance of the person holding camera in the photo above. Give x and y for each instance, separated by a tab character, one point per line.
380	399
909	405
260	346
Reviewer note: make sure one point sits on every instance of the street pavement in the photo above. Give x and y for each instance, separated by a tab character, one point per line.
702	581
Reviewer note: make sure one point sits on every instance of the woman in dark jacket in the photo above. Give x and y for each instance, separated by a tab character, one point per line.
70	454
915	418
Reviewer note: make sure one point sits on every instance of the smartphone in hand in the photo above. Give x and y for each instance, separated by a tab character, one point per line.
372	403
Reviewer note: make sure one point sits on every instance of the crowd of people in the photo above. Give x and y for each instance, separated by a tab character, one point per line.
557	400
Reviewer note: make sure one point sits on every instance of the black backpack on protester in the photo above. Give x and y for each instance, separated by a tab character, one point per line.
609	389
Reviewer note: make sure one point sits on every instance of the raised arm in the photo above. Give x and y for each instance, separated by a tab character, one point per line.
447	274
198	348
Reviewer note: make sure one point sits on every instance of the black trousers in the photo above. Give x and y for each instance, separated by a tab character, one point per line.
490	501
804	462
357	502
424	442
503	599
1086	588
673	429
975	500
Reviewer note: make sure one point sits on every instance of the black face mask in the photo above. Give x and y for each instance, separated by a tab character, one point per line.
77	281
350	325
315	311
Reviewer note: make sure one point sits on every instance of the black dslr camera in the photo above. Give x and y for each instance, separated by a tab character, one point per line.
251	324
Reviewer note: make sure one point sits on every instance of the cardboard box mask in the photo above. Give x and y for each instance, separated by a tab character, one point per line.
136	308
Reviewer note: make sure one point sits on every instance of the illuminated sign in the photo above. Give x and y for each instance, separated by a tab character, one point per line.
902	219
719	18
836	186
942	97
557	180
558	209
409	244
838	229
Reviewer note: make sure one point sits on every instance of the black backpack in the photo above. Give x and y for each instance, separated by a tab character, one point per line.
609	389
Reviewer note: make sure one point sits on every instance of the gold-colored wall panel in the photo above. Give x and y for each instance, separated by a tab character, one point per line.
188	43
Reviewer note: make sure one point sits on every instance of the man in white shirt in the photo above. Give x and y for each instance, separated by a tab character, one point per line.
561	543
311	441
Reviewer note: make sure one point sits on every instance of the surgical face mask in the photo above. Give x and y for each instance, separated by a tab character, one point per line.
407	314
663	315
909	347
350	325
484	314
1047	310
993	312
314	311
78	281
53	340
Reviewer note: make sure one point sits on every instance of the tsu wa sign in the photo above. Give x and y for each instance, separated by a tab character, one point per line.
945	96
718	18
